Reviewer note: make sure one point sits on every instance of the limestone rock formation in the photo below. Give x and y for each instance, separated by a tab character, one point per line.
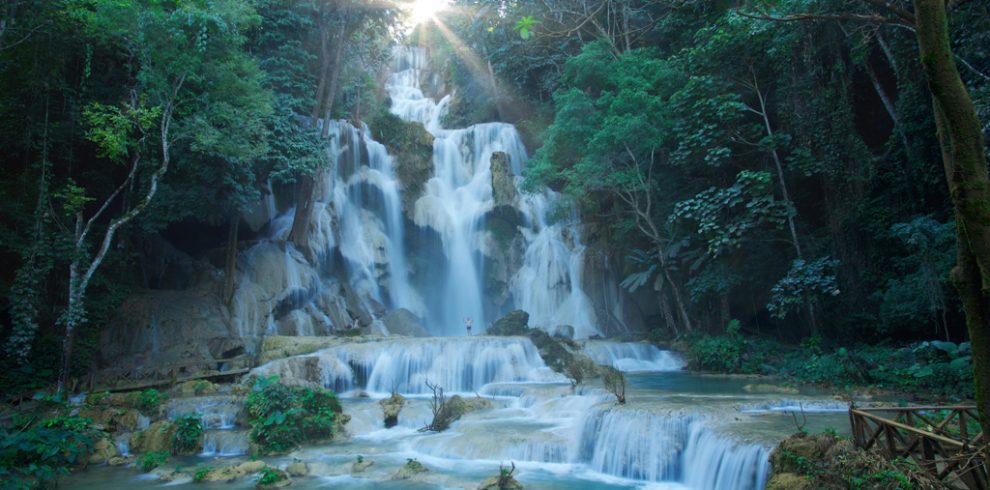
403	322
234	472
513	323
409	470
391	407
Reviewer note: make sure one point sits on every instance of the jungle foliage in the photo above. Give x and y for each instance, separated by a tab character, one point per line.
283	417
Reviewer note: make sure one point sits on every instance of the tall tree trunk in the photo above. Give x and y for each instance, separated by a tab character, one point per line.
80	274
965	165
299	234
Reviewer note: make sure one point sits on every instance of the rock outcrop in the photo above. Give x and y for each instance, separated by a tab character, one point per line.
403	322
513	323
391	407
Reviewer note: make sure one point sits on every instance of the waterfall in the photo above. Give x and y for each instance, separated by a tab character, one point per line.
645	445
405	365
632	357
458	197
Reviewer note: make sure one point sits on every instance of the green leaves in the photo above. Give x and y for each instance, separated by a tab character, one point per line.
283	417
804	282
524	26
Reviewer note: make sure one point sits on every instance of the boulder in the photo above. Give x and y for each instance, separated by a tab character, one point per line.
156	438
800	447
281	480
409	470
391	407
403	322
162	327
503	182
279	347
513	323
297	469
231	473
120	460
789	481
104	451
360	465
195	388
457	406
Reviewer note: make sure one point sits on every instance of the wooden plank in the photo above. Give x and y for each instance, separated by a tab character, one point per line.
915	408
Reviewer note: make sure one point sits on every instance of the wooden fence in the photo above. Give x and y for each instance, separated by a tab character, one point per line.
945	441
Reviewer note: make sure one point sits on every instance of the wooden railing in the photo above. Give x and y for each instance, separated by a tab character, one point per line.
945	441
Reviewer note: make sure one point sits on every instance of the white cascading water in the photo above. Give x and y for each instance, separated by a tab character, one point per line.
405	365
632	357
456	200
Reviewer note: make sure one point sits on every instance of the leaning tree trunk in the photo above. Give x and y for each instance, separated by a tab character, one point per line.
299	234
965	165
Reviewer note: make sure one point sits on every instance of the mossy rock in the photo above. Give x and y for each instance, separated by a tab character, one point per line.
391	407
281	480
193	388
409	470
234	472
361	466
513	323
104	450
798	452
156	438
297	469
789	481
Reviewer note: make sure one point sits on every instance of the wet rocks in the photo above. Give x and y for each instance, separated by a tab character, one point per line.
156	438
104	451
513	323
391	407
404	322
361	465
232	473
297	469
409	470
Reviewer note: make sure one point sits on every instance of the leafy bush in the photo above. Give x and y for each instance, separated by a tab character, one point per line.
933	369
37	456
187	433
148	401
270	476
282	417
201	472
152	460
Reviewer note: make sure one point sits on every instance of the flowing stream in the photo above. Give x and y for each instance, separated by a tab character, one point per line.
677	431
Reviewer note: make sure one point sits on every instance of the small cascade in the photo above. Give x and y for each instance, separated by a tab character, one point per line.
632	357
225	443
548	285
218	411
646	445
405	365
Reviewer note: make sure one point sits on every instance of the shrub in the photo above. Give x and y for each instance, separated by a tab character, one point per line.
271	476
282	417
37	456
148	401
152	460
187	433
201	472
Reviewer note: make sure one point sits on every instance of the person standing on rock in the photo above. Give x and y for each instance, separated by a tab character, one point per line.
467	323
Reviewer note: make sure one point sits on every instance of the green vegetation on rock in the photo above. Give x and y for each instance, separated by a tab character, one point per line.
282	417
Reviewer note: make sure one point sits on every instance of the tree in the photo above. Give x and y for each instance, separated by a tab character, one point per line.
181	54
